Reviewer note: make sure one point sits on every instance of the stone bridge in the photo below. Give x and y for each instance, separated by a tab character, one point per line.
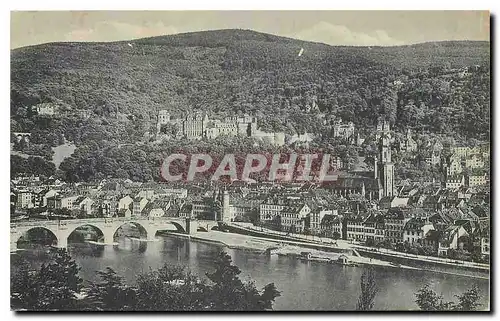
108	227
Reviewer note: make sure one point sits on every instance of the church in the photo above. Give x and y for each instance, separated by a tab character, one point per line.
372	185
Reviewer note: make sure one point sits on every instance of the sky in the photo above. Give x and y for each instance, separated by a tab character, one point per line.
357	28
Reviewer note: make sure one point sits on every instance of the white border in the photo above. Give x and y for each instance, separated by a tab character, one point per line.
198	5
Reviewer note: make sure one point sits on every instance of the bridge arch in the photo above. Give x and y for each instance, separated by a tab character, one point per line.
24	235
143	232
100	232
179	227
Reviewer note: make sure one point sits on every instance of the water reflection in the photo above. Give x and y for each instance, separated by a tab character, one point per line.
304	285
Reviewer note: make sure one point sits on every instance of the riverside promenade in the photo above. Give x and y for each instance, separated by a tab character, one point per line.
329	249
343	244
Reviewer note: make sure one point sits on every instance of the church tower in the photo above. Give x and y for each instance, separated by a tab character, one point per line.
385	165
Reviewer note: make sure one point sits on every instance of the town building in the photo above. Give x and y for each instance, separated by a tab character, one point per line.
316	217
24	199
474	161
416	229
46	109
476	179
408	144
331	226
395	221
355	229
139	205
455	181
453	165
286	212
449	238
343	130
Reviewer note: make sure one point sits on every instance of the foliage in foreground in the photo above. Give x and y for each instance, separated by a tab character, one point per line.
428	300
368	291
57	286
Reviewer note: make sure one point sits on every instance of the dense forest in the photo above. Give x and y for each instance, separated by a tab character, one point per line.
108	94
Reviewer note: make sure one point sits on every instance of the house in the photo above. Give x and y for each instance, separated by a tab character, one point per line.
316	217
288	212
449	239
393	201
84	204
175	192
343	130
204	208
37	196
24	199
139	205
474	161
416	229
124	212
408	144
156	208
187	211
379	229
49	193
63	201
125	202
292	217
476	179
355	228
369	228
47	109
460	151
484	150
485	241
107	207
453	166
455	181
434	158
433	202
332	225
147	193
244	209
395	221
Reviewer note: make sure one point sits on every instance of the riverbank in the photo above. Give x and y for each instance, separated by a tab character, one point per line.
383	254
295	249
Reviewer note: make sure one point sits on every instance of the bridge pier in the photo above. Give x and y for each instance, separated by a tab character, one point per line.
62	242
13	245
151	233
109	237
191	226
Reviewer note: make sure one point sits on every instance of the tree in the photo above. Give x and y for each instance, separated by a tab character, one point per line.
51	288
229	293
428	300
171	288
336	235
111	294
370	242
469	301
368	290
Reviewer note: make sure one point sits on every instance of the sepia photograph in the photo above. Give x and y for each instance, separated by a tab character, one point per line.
227	161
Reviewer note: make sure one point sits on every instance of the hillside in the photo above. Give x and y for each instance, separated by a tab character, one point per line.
109	93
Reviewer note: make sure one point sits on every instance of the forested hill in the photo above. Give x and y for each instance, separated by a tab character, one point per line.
112	91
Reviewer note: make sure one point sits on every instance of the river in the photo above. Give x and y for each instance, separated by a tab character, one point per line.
303	285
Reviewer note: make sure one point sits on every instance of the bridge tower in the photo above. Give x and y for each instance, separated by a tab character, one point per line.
226	212
191	226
